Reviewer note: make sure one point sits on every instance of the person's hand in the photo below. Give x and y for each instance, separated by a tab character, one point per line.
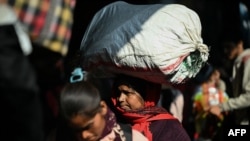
216	110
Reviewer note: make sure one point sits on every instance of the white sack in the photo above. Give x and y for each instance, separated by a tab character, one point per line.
159	43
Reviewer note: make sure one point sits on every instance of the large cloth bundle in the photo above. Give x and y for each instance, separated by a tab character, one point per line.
160	43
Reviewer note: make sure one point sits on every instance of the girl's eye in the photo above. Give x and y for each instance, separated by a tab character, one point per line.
84	128
127	93
87	127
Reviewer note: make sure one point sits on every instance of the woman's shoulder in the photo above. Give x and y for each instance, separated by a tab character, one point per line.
166	123
170	129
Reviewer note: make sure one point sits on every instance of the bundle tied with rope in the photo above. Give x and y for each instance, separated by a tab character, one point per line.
157	42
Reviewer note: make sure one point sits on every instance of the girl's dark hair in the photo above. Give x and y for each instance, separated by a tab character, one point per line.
79	98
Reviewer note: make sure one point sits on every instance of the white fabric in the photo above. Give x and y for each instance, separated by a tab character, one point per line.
8	17
136	136
176	107
146	41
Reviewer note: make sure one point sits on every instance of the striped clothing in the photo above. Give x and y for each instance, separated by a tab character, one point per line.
48	22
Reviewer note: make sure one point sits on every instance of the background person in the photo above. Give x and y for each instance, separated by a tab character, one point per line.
208	93
172	100
239	103
20	103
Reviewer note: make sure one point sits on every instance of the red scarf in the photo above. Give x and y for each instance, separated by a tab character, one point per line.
141	119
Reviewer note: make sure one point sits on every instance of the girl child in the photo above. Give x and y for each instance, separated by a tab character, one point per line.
90	118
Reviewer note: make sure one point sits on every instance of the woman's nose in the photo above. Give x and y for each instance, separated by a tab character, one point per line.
122	97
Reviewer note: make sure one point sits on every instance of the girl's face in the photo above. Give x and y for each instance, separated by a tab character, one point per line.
129	99
89	129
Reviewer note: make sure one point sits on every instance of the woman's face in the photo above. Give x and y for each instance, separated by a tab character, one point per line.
129	99
88	129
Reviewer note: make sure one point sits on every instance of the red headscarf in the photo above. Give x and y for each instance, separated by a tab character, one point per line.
141	119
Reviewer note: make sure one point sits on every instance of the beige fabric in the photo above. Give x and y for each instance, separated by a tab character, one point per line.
146	41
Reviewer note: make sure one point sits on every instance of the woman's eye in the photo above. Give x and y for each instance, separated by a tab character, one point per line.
128	93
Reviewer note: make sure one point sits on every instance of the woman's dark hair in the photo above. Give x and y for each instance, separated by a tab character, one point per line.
79	98
135	83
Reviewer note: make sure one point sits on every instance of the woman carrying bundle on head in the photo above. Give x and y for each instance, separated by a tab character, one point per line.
135	101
